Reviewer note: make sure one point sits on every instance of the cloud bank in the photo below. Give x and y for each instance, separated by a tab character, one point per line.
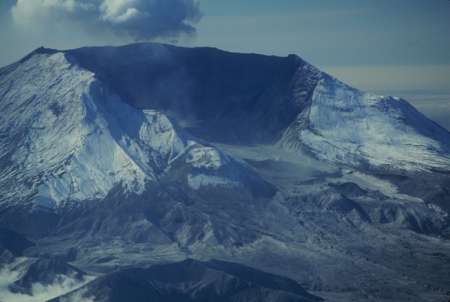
139	19
40	292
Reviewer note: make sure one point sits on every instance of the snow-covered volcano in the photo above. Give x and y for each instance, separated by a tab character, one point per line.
125	157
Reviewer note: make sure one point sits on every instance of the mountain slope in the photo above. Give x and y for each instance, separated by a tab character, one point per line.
67	140
191	280
347	126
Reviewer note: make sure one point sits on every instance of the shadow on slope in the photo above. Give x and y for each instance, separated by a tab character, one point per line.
192	280
251	95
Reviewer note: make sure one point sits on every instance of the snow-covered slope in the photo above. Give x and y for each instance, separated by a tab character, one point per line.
350	127
65	136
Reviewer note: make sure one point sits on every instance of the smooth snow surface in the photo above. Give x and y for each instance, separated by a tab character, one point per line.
347	126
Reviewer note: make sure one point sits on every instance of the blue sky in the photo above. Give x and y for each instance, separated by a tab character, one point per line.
397	47
333	32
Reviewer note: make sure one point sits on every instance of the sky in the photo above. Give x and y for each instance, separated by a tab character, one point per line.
387	47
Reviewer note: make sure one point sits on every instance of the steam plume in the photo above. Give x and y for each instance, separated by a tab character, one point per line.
138	19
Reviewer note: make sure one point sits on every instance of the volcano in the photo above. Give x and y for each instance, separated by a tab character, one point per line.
195	173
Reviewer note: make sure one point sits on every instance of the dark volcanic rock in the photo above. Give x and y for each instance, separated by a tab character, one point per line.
249	94
352	190
192	280
14	242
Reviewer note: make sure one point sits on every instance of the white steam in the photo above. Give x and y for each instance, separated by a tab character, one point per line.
138	19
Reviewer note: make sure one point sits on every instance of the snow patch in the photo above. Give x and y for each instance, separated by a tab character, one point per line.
198	180
383	186
206	157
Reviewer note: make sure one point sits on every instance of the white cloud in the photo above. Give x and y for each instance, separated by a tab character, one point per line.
138	19
40	292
